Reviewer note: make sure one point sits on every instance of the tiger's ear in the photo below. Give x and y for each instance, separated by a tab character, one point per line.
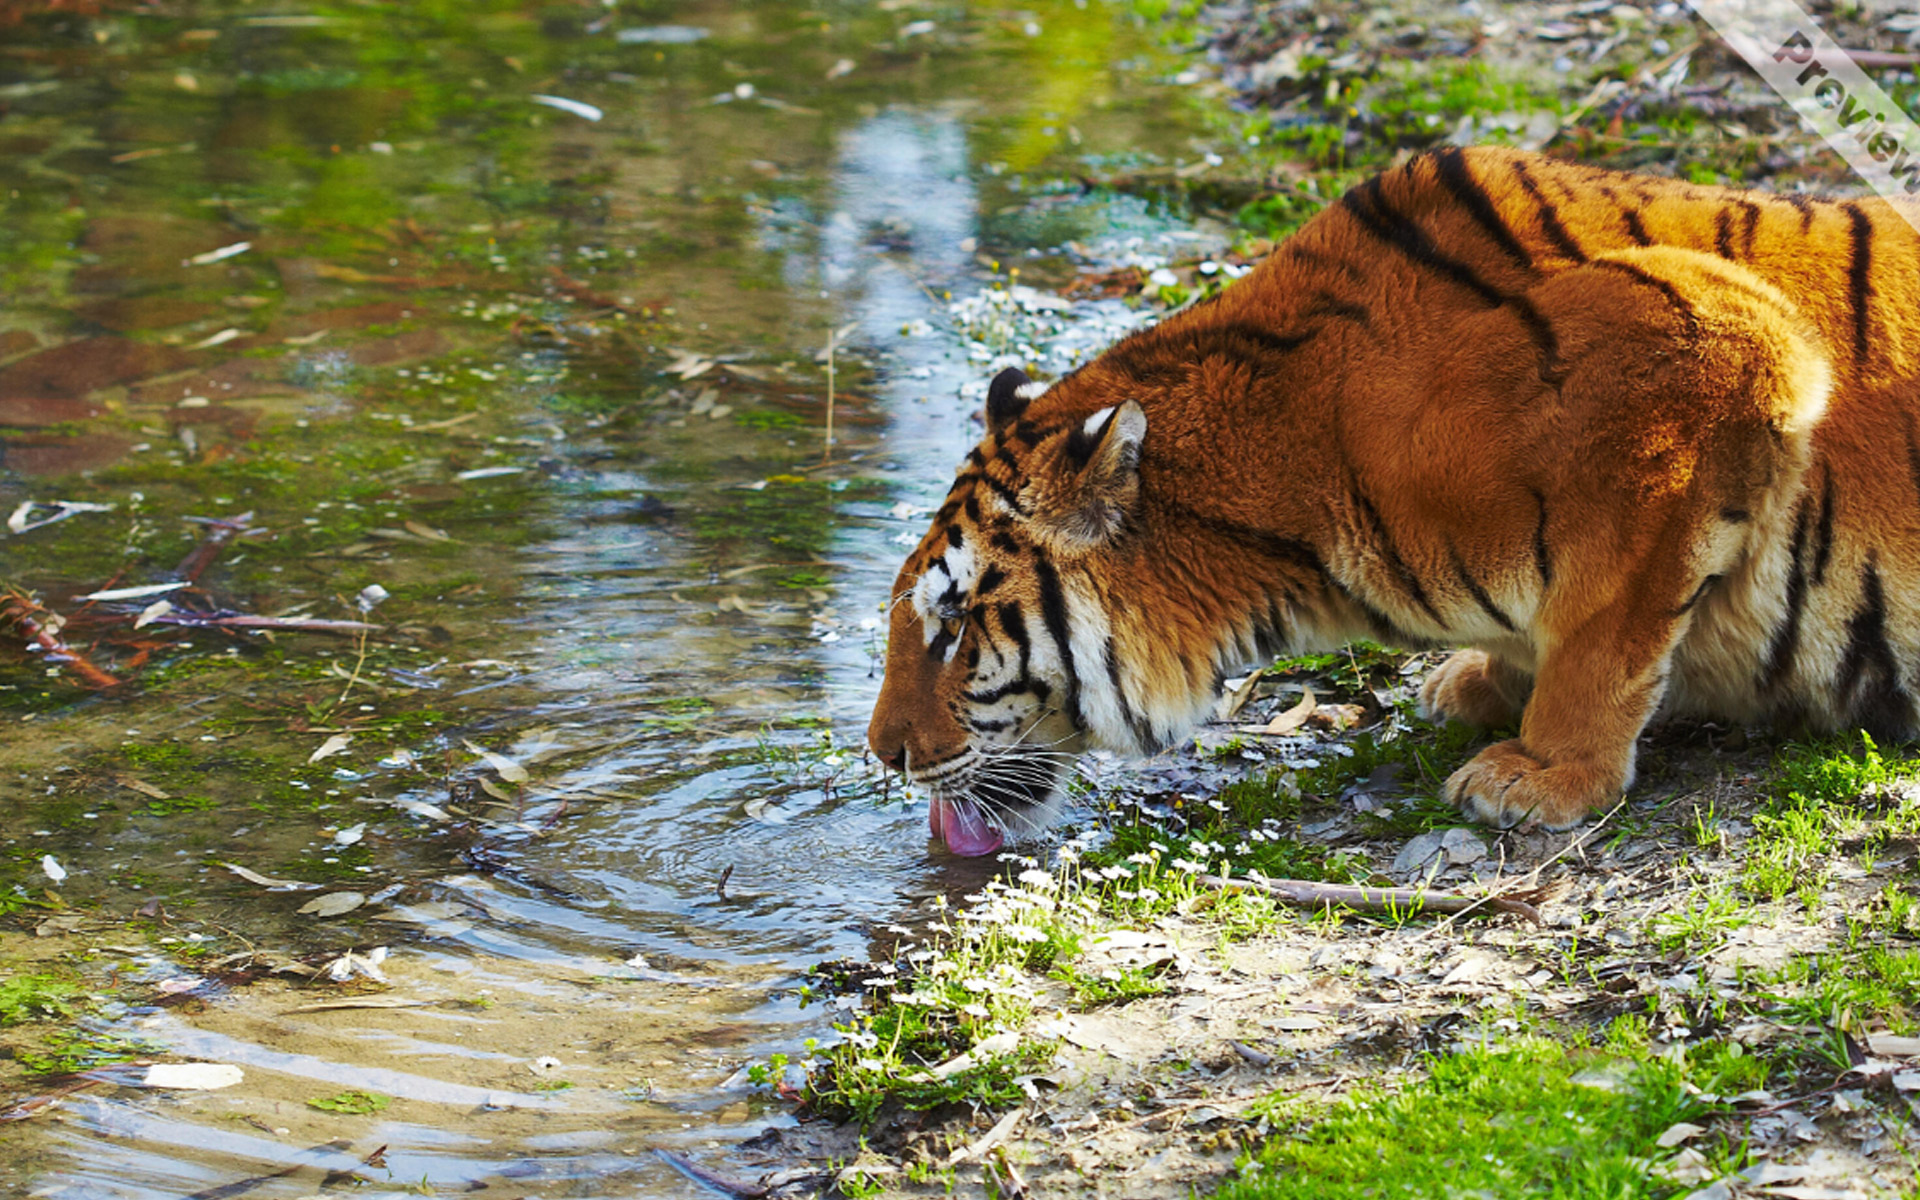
1008	396
1099	478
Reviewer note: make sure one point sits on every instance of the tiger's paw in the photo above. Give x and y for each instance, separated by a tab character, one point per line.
1463	689
1505	786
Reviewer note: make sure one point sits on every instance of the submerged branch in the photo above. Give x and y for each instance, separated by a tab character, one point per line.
42	628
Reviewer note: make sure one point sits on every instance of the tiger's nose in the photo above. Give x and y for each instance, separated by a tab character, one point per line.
892	757
888	744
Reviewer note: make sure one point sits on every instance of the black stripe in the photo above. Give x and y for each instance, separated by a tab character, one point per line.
1549	217
1723	234
1479	593
1805	205
1698	592
937	648
1869	682
1860	280
1635	229
1750	228
1004	543
1307	256
1053	610
955	537
1266	339
1786	639
990	579
1082	442
1368	207
1740	516
1382	626
1007	494
972	507
1660	285
1913	450
1823	532
1542	561
1326	304
1142	732
1401	571
1451	164
1013	687
1013	623
1154	361
1289	551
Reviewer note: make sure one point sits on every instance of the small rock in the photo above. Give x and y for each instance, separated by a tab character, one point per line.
1418	852
1463	846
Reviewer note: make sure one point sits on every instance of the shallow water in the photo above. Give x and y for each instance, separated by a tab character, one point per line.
556	385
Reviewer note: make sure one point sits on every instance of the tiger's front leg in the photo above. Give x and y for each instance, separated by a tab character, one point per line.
1601	674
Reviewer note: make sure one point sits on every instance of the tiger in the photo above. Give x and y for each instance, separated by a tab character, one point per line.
1628	446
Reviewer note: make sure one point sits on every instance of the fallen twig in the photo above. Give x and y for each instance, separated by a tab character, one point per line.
33	1106
1532	878
1306	893
712	1179
248	621
42	628
221	532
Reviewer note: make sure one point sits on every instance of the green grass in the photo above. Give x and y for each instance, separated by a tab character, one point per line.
65	1051
1821	791
1878	985
36	998
1534	1120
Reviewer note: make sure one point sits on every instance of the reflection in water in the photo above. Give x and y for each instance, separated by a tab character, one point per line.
668	616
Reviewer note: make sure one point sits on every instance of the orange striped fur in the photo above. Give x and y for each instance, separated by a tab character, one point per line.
1638	446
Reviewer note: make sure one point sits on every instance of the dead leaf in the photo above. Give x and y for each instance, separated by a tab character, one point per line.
144	788
159	608
1677	1133
1288	721
267	881
332	904
21	521
1336	717
331	747
1238	691
427	531
1893	1046
505	767
688	365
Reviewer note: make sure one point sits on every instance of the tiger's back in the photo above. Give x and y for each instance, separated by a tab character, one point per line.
1635	442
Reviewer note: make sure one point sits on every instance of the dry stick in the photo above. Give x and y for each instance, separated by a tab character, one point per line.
1532	878
195	620
1304	893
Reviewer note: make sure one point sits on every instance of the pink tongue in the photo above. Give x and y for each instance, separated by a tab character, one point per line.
962	828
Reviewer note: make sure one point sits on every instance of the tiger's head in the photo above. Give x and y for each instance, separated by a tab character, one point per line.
1008	649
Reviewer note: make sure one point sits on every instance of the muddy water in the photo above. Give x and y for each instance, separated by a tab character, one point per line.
506	326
